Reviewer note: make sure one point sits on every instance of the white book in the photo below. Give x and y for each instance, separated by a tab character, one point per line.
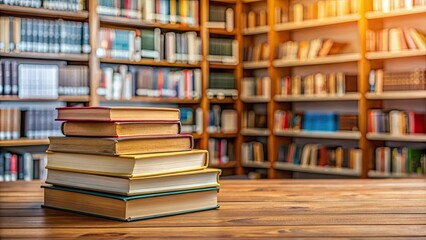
395	122
149	10
229	121
117	86
229	20
170	48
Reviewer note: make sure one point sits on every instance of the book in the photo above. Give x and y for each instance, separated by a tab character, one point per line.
119	146
130	208
137	185
119	129
128	166
117	114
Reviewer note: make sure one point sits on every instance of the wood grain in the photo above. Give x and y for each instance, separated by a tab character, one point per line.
260	209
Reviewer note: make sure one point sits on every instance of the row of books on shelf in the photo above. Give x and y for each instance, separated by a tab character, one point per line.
221	17
221	151
62	5
256	52
254	151
42	79
192	120
16	165
43	36
149	43
319	84
255	118
399	160
395	39
309	49
253	19
396	122
256	87
318	10
223	50
120	82
312	155
383	81
172	11
30	123
315	121
222	120
386	6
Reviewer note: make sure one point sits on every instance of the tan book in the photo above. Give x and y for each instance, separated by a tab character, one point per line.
135	185
118	114
331	8
410	41
395	39
251	23
303	50
342	7
296	85
265	51
119	129
379	81
119	146
331	83
321	10
278	15
244	20
371	41
418	38
298	12
385	39
17	33
263	20
311	11
354	6
330	47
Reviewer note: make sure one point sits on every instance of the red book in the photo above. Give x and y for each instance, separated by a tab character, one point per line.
416	122
14	167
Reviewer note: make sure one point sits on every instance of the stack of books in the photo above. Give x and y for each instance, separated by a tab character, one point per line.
127	164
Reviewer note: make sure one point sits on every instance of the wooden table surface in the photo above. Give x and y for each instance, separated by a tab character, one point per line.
249	209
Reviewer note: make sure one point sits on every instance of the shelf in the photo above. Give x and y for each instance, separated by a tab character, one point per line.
316	169
149	62
155	100
60	98
253	164
396	13
255	99
397	138
230	164
256	65
23	142
252	1
222	135
54	56
395	54
256	30
397	95
138	23
255	132
346	135
197	135
317	22
42	12
339	58
376	174
227	100
326	98
221	31
214	65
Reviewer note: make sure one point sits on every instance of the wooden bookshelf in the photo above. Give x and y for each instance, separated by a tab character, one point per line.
42	12
256	30
397	138
254	164
23	142
216	65
344	135
149	62
60	98
255	99
256	65
48	56
230	164
316	169
154	100
226	100
255	132
339	58
421	10
376	174
220	31
395	54
317	23
326	98
397	95
222	135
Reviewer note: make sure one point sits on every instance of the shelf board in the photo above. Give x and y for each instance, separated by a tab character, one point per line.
197	135
255	99
376	174
60	98
155	100
253	1
227	100
346	135
338	58
222	31
397	138
222	135
396	13
326	98
395	54
42	12
138	23
317	22
253	164
23	142
230	164
54	56
397	95
256	30
215	65
255	132
149	62
256	65
316	169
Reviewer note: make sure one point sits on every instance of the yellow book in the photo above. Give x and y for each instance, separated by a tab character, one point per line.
128	166
183	11
172	11
137	185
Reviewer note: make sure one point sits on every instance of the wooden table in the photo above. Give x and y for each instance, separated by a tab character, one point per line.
249	209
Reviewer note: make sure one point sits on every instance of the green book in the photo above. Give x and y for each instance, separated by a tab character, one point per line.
130	208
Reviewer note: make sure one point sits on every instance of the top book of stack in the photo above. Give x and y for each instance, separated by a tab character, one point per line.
117	114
